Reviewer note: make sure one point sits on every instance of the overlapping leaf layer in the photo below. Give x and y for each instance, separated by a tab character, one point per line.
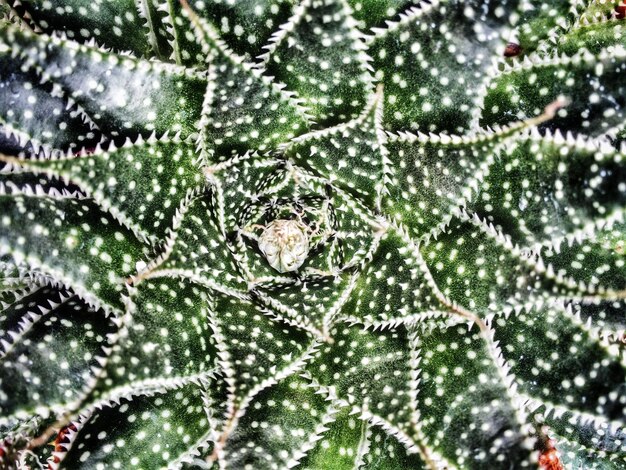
445	183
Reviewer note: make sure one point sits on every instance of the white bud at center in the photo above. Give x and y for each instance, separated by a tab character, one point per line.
285	244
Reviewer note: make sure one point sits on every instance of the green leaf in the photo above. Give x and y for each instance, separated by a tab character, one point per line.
15	306
574	455
372	371
111	24
597	10
535	180
354	228
72	240
477	268
55	349
559	363
595	262
320	55
434	62
253	192
604	318
386	452
158	28
432	177
243	109
241	181
142	184
139	95
164	342
393	287
17	178
310	304
466	401
594	36
351	155
540	22
255	350
343	446
37	115
245	25
197	249
370	13
591	84
155	431
281	426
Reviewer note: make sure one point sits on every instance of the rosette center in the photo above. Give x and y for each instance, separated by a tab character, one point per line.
285	244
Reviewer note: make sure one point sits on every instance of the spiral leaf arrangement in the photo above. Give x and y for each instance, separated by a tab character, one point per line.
323	234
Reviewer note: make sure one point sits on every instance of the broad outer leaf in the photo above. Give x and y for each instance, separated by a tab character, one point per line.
466	403
38	115
319	55
72	240
591	84
441	52
142	184
595	262
165	340
53	353
111	24
558	362
153	431
432	177
535	180
477	268
138	94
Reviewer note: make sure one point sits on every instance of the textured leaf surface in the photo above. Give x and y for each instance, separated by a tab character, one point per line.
477	268
242	108
387	452
197	249
162	344
37	114
255	350
354	153
439	57
138	94
431	178
283	423
154	431
372	373
44	232
111	24
576	364
151	180
574	181
55	343
246	25
319	54
464	403
393	287
591	83
371	13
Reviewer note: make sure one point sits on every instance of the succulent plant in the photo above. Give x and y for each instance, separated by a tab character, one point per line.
323	234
